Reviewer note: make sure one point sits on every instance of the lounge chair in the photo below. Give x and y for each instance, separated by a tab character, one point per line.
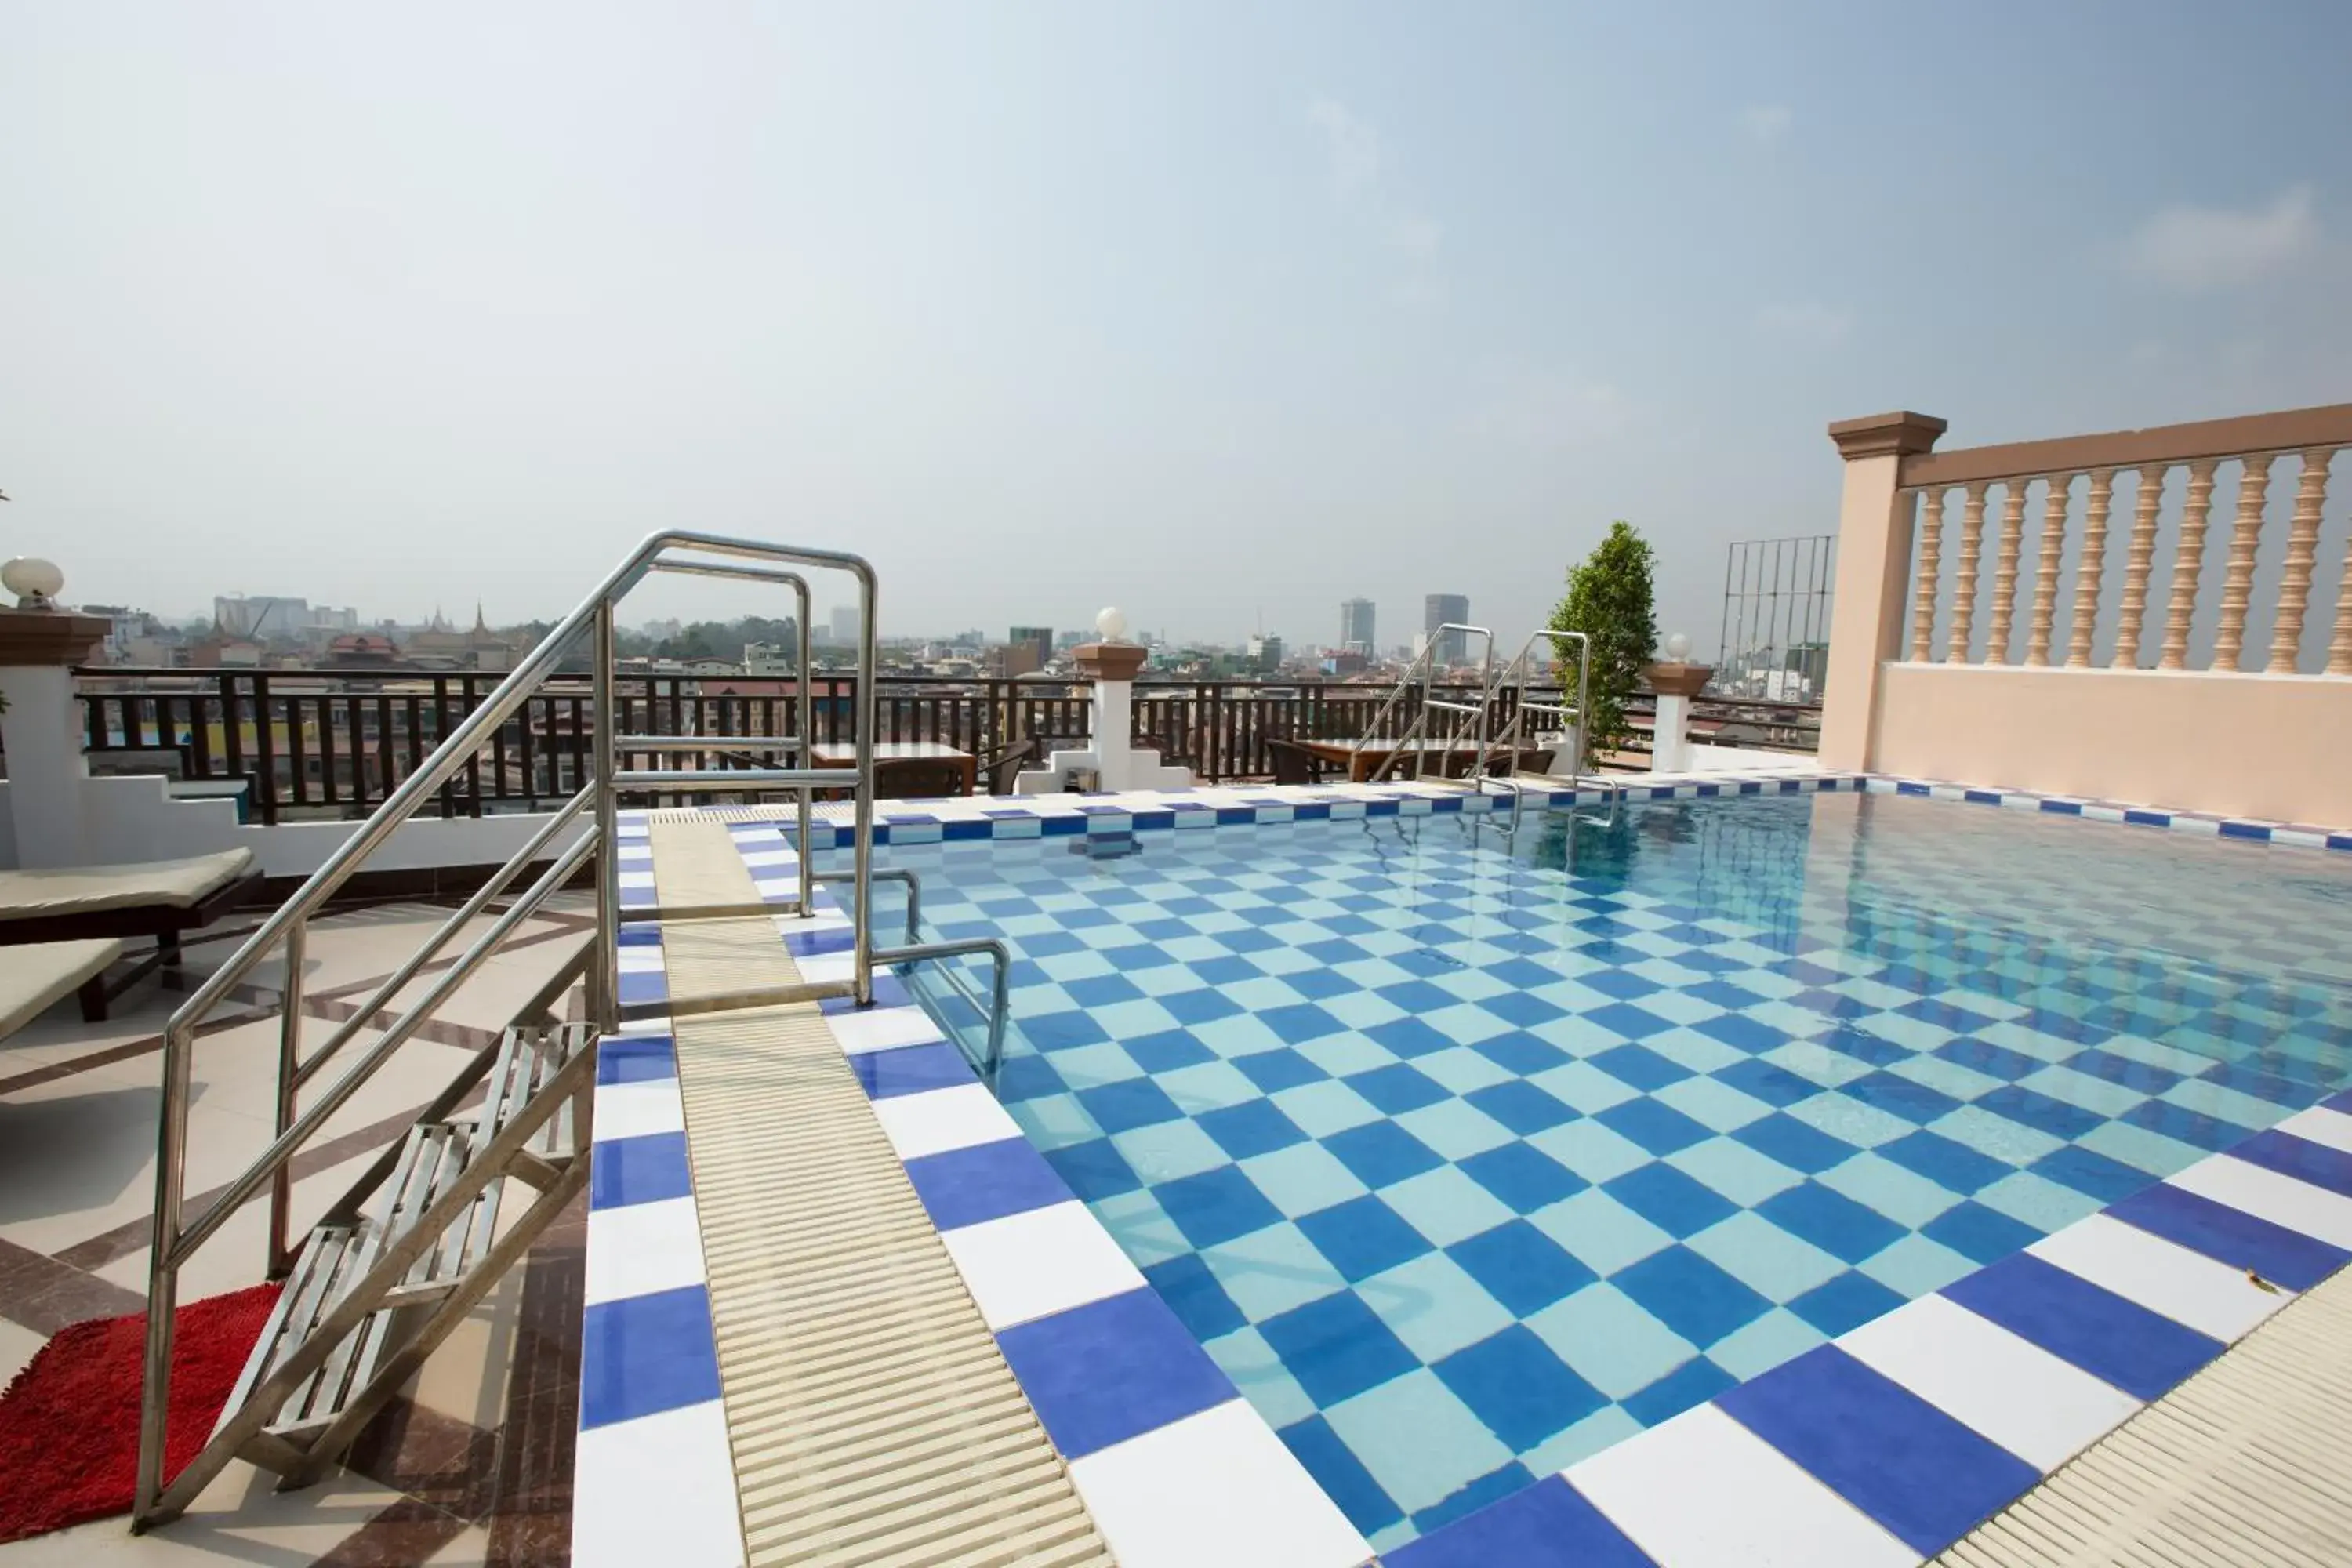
1294	764
161	899
36	976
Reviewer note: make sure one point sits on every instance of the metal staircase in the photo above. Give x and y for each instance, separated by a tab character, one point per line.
1493	726
395	1264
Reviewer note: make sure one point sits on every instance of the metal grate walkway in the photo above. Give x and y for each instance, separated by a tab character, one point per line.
2248	1465
872	1418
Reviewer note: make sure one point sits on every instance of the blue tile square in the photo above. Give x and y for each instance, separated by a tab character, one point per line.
1626	1019
1216	1206
1300	1023
1678	1204
2235	1238
1775	1086
2124	1344
1095	1170
1621	984
1253	1127
1520	1106
635	1059
910	1069
1513	1383
2299	1158
1522	1177
1382	1154
1411	1038
1639	1068
1547	1525
1133	1102
1487	1491
1694	1383
1520	1008
1363	1237
1190	1289
1922	1475
1520	1267
1275	1070
1067	1029
1660	1129
1168	1050
1690	1295
2039	1111
643	1354
1831	1221
1200	1006
986	1181
1949	1164
1979	1234
1521	1053
1111	1370
1337	1347
1342	1475
1102	990
647	1169
1397	1087
1020	1077
1900	1096
1845	1302
2090	1174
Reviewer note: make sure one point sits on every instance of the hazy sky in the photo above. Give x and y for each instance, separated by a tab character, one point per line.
1216	312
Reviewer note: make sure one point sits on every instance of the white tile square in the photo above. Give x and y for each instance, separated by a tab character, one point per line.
861	1029
2162	1276
661	1489
639	1248
638	1109
2266	1195
1703	1491
1215	1487
2042	1409
1038	1263
944	1119
2320	1125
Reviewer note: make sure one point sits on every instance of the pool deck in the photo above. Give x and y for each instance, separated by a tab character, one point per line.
1886	1445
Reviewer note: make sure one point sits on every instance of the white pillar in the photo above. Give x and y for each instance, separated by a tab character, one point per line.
1670	750
1114	709
41	730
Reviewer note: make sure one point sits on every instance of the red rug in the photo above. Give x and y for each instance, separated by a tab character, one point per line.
70	1422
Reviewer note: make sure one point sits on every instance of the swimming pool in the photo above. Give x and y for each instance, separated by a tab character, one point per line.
1465	1157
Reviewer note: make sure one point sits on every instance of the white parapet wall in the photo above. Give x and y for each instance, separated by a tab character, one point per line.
134	818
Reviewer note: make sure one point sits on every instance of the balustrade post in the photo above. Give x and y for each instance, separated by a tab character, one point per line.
2091	569
2004	572
2302	554
1873	571
2188	564
2058	494
1931	547
1964	586
2147	498
2245	537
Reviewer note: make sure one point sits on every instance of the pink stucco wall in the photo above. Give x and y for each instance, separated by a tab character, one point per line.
2247	745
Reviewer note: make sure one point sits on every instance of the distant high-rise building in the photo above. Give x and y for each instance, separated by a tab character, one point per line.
845	624
1447	609
1356	626
1038	637
1266	653
260	616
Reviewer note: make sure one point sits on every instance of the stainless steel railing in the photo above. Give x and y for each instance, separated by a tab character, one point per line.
176	1238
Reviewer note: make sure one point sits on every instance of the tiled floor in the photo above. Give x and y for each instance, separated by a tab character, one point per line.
1464	1172
472	1464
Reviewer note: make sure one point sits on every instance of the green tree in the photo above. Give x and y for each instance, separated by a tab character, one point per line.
1609	600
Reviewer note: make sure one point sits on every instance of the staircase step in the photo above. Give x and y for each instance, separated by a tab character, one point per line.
434	1156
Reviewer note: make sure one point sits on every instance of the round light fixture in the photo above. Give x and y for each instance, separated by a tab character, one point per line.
1111	623
1678	648
35	581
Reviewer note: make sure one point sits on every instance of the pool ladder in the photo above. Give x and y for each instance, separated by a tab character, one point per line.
398	1262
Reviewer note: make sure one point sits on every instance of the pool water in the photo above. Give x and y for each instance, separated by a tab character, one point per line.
1466	1157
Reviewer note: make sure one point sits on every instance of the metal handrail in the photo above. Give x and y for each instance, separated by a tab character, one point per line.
173	1242
1418	729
